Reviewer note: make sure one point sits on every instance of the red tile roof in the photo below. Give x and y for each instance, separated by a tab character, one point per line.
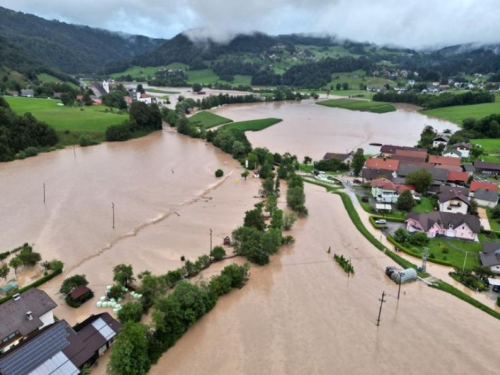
383	183
475	185
458	176
388	164
420	154
443	160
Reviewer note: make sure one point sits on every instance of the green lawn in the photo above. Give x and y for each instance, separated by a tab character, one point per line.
456	251
459	113
424	206
253	125
494	224
157	91
139	72
203	76
359	105
491	146
242	80
44	77
208	119
61	118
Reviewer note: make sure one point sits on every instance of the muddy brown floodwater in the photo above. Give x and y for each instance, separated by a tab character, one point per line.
311	129
301	314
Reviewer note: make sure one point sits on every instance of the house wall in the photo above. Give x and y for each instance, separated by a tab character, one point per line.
465	152
451	155
454	206
462	232
384	196
482	203
437	143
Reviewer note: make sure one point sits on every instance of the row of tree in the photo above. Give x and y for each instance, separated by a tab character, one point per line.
435	101
20	133
143	118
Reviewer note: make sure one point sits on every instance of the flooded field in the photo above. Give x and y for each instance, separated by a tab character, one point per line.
313	130
301	314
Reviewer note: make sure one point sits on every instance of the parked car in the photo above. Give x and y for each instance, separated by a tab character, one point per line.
381	221
496	288
365	199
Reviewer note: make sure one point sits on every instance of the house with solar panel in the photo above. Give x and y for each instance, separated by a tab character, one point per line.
23	316
60	349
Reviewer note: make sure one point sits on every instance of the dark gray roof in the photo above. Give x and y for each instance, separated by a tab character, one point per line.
331	155
371	174
453	151
33	353
452	193
487	165
390	149
439	174
443	138
445	219
462	144
469	168
486	195
13	313
490	256
463	190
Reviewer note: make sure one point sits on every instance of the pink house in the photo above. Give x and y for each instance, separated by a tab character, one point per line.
446	224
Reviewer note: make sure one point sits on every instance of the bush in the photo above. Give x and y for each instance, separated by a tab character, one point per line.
31	151
118	133
218	253
445	250
21	155
116	292
288	220
130	312
219	173
86	140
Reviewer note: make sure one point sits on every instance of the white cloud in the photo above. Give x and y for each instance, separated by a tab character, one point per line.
410	23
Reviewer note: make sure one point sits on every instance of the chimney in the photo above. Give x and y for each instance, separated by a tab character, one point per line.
385	158
29	315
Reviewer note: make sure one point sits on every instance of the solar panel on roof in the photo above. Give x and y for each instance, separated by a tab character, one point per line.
34	353
104	329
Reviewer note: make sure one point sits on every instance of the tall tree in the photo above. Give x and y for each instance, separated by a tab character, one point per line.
123	274
405	201
4	271
358	161
421	179
130	351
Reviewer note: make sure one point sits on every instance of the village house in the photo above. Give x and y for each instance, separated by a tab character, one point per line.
487	168
27	93
410	156
440	140
372	174
144	98
452	154
385	191
434	224
486	197
24	315
343	158
439	175
98	90
62	349
390	150
463	148
469	168
387	164
490	255
445	161
476	185
453	201
459	178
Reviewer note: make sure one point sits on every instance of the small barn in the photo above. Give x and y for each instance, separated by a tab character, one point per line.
401	276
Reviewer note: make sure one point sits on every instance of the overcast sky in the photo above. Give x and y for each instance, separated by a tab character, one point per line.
410	23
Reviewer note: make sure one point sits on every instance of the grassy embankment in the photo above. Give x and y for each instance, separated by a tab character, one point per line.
69	122
253	125
157	91
208	119
359	105
140	73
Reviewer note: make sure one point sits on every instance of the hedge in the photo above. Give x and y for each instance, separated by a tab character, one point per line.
37	283
390	218
375	225
445	287
413	254
4	255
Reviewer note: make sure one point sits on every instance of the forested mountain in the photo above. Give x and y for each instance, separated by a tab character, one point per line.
69	48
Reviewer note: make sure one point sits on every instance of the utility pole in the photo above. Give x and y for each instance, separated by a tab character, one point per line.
74	151
465	260
350	263
424	259
210	241
382	300
44	193
400	278
113	208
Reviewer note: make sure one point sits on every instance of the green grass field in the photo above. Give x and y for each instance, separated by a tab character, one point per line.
359	105
157	91
208	119
424	206
203	76
456	251
490	146
459	113
241	80
46	78
139	72
61	118
253	125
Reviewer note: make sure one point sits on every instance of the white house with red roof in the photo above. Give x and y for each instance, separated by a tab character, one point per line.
385	191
